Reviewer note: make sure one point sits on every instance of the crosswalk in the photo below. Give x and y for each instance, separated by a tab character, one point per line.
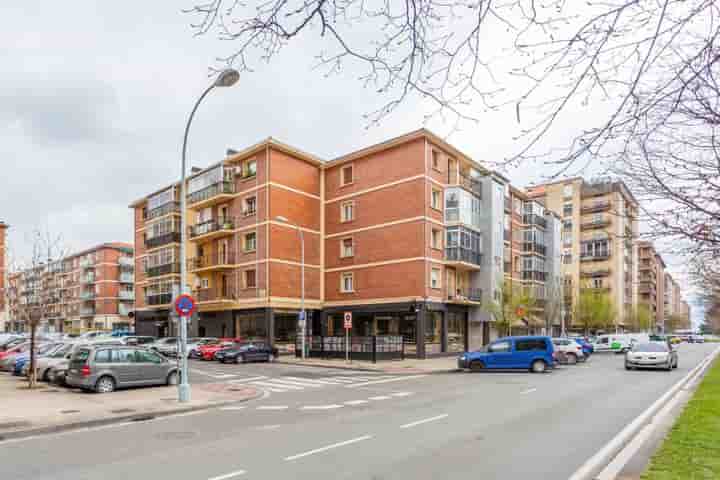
288	383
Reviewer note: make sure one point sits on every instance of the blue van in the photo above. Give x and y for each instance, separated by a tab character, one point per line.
534	353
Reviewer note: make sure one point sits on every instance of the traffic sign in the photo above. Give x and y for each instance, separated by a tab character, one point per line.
348	320
185	305
520	312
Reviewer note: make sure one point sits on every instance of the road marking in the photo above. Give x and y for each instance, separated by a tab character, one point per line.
356	402
387	380
229	475
250	379
284	381
268	427
272	384
529	390
320	407
426	420
380	397
329	447
273	407
401	394
232	408
313	380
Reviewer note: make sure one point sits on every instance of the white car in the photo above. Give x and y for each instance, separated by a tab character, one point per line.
651	355
45	364
572	350
619	342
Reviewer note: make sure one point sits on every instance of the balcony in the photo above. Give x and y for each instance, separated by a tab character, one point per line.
214	294
210	229
167	269
532	247
463	295
126	295
158	299
164	239
87	263
126	262
87	295
124	310
211	195
86	279
596	207
87	312
163	210
462	258
605	222
508	204
596	257
127	278
534	219
215	261
603	272
533	275
471	184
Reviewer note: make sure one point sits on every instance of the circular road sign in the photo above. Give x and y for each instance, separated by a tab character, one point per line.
185	305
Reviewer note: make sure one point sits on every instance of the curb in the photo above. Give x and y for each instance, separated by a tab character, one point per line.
366	369
101	422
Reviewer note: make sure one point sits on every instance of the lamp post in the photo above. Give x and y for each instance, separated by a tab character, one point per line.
303	319
226	78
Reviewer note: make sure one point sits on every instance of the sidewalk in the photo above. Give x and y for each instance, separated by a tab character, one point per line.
50	409
407	366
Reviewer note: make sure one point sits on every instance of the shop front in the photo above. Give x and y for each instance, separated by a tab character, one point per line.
154	323
277	327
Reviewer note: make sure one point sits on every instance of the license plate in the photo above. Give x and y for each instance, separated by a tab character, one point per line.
652	358
73	370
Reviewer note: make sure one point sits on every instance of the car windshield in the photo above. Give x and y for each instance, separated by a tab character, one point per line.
649	347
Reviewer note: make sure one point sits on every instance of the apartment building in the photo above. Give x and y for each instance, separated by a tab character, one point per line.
88	290
3	277
406	234
650	273
599	224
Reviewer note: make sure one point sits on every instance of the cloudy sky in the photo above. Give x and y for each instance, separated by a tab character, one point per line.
94	100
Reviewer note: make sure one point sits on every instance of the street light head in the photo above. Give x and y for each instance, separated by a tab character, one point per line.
280	218
227	78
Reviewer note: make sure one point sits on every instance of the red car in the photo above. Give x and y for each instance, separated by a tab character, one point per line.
21	348
208	351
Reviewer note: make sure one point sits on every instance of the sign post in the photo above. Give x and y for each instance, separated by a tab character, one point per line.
348	325
184	306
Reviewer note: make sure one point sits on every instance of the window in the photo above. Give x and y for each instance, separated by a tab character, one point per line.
435	278
568	190
102	356
567	210
250	281
123	355
346	247
435	199
530	345
436	160
346	175
436	238
204	283
250	242
248	168
567	257
347	211
597	218
143	356
250	206
496	347
347	282
597	283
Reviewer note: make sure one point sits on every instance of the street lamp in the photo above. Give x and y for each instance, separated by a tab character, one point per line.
226	78
302	320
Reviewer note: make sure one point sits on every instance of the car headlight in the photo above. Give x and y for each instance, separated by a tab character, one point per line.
462	357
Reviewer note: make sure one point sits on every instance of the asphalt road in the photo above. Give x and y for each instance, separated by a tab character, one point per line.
450	426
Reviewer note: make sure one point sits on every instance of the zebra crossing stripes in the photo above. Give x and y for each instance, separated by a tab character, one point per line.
287	383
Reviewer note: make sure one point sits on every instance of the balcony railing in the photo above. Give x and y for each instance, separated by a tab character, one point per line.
87	312
163	239
162	210
596	223
126	262
466	294
218	259
158	299
127	278
87	295
214	294
595	257
126	295
211	226
471	184
604	272
596	207
534	219
220	188
86	263
533	275
459	254
532	247
166	269
87	279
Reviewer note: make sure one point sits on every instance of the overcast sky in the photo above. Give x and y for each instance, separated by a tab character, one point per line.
94	100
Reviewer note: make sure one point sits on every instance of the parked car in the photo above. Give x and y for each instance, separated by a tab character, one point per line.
103	369
619	342
195	343
534	353
58	371
246	352
696	339
46	362
161	343
40	352
138	340
208	351
651	355
587	347
572	350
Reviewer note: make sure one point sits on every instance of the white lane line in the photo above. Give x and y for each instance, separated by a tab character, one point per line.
273	407
402	394
329	447
425	420
230	409
272	384
380	397
229	475
296	383
337	380
321	407
529	390
250	379
387	380
268	427
356	402
314	381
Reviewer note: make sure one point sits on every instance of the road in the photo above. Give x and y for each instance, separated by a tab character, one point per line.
450	426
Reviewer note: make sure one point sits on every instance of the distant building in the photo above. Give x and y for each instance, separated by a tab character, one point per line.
3	277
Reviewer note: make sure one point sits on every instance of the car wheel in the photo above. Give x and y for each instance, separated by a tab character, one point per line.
241	359
45	377
628	366
477	366
675	365
105	385
572	359
271	358
538	366
172	378
669	366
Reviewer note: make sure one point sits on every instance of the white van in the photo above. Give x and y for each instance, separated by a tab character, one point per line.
619	342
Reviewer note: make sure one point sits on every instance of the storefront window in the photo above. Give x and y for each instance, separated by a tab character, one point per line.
456	332
433	332
251	327
285	332
408	330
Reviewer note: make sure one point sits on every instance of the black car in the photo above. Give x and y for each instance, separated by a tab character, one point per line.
247	352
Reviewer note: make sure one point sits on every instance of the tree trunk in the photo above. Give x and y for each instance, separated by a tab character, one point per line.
31	369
